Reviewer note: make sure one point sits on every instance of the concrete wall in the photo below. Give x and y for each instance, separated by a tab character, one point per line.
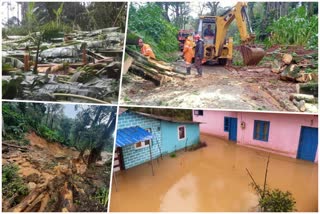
132	156
166	134
284	130
170	141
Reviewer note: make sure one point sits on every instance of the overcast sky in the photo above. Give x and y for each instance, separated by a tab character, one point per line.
69	110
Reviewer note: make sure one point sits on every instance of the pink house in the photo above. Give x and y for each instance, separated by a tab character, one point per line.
292	135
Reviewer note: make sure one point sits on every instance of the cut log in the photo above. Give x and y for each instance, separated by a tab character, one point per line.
32	206
300	105
308	88
157	79
44	202
306	97
127	64
287	59
28	200
290	73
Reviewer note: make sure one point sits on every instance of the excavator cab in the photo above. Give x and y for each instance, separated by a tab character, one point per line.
208	31
218	48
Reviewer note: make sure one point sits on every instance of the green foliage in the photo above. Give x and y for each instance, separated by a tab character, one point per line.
179	114
15	123
173	155
275	200
297	28
48	134
237	59
12	184
272	200
52	30
102	195
147	22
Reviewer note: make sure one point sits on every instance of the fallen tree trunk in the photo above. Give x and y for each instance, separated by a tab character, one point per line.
67	199
155	78
306	97
20	148
32	207
27	201
161	67
44	202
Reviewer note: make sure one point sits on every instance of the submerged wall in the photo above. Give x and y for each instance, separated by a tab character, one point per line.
170	141
284	130
132	156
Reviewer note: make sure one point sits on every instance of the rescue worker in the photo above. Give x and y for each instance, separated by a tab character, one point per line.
146	50
188	53
199	53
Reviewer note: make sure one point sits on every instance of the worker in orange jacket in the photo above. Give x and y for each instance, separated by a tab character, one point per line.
146	50
188	53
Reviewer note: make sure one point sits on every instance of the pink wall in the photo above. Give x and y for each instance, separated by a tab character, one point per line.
284	132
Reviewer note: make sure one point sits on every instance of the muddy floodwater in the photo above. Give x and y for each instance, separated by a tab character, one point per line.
213	178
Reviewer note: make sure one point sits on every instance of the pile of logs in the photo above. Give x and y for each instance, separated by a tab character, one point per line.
156	71
294	69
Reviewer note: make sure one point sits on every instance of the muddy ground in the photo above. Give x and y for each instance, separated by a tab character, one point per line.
213	178
221	87
218	88
56	178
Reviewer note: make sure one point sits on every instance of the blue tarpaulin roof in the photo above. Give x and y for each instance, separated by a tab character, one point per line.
131	135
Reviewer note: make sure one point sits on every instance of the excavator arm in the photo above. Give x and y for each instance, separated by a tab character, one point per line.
251	55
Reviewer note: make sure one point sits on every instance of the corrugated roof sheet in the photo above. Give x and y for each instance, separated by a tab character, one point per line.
131	135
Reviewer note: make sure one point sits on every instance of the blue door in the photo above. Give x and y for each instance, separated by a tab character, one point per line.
233	129
308	143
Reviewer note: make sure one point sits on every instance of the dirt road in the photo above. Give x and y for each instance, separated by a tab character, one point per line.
219	88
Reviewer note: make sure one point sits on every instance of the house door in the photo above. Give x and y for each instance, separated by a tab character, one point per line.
233	129
118	160
308	143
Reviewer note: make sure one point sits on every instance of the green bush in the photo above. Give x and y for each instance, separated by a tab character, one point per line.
102	195
297	28
48	134
148	23
12	184
277	201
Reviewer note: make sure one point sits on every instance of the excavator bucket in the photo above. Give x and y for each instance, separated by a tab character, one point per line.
251	55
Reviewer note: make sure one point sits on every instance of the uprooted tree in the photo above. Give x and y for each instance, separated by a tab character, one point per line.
93	131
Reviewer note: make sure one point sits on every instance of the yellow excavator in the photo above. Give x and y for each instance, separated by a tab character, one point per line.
218	49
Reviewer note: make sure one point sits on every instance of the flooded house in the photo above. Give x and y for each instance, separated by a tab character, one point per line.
291	135
142	137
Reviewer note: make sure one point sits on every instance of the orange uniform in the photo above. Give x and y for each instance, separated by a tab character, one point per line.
147	51
188	51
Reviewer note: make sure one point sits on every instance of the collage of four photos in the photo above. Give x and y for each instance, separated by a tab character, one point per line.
139	106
